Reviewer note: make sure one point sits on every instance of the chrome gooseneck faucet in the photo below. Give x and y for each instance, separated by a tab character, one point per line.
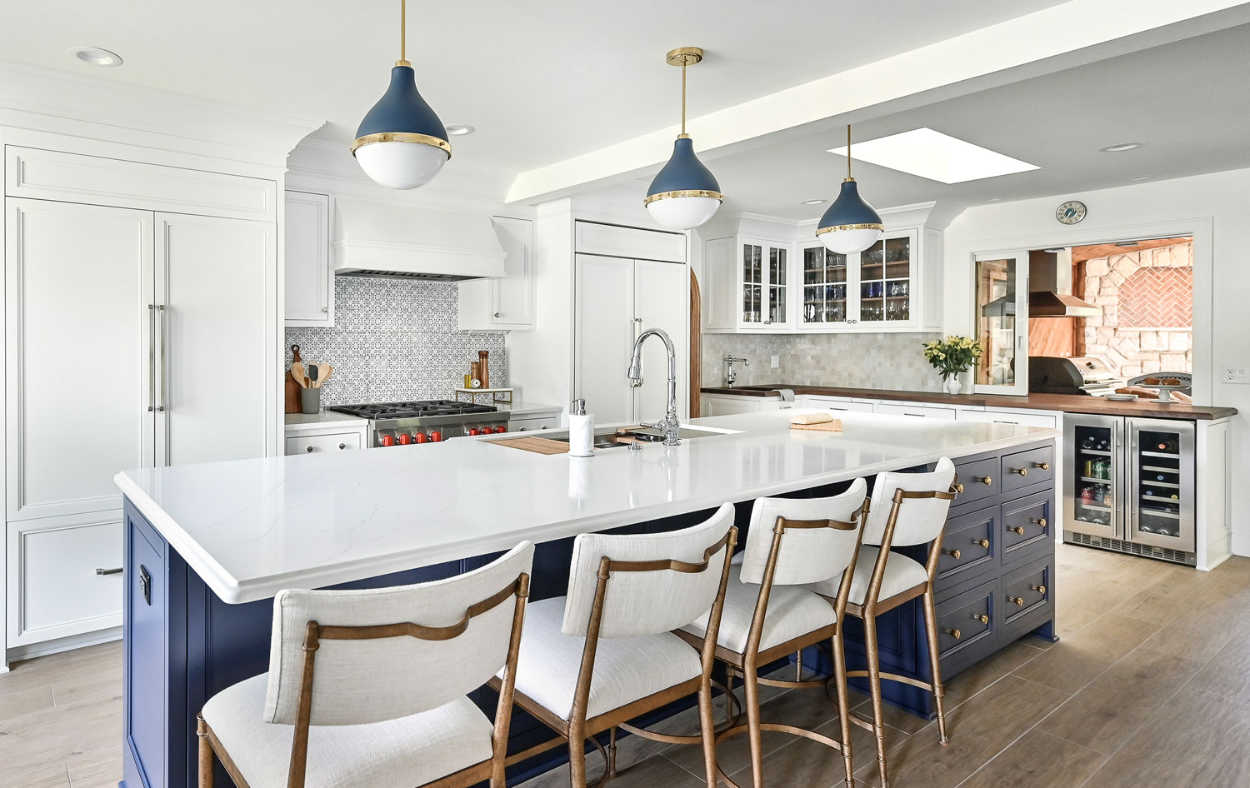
669	425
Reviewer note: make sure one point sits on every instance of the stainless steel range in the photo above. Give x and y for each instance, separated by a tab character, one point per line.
427	421
1078	375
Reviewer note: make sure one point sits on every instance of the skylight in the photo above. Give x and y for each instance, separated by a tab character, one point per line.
936	156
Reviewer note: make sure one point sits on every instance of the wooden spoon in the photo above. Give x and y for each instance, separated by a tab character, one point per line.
324	371
297	372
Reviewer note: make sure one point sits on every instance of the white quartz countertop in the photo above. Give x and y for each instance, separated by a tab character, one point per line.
250	528
326	418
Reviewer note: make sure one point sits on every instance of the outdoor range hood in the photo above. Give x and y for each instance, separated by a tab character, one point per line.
403	242
1050	286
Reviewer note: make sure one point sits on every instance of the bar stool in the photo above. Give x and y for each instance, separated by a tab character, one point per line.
768	613
606	653
385	703
905	509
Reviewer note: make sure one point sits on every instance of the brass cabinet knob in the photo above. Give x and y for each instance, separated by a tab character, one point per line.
959	487
984	619
1021	471
1019	600
1045	466
1038	520
986	480
1018	529
955	633
1039	589
983	542
954	554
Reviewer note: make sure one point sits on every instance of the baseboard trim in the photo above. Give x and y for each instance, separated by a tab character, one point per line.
19	653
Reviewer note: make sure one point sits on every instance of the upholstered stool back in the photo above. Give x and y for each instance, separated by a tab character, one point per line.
807	555
920	520
661	599
453	636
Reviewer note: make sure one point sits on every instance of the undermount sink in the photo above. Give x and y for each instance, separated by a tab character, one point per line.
612	438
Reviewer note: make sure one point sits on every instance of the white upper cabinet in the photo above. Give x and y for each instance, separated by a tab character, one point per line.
309	275
872	289
764	268
507	303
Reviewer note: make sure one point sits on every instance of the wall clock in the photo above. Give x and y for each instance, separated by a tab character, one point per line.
1070	212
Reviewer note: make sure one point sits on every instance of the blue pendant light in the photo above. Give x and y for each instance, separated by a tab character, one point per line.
850	225
401	143
684	193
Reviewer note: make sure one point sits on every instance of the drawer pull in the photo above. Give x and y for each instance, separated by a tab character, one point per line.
1016	529
117	570
955	633
342	446
959	488
309	450
1039	589
954	554
984	619
1038	521
1019	600
1021	471
983	542
1045	466
986	480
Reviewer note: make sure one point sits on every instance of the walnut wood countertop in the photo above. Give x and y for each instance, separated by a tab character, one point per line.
1068	403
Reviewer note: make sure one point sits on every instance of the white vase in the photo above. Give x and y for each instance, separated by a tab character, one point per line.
952	385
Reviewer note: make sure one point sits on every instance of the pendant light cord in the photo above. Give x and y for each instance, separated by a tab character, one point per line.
848	152
683	97
403	29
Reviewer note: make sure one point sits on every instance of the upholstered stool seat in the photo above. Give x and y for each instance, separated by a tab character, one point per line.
387	754
792	612
901	574
626	669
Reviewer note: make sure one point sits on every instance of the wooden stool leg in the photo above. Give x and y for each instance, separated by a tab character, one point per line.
206	753
844	707
707	729
874	687
751	682
930	625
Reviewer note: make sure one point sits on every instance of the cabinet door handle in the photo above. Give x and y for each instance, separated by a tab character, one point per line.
1017	529
984	619
954	554
151	358
160	313
959	488
768	322
145	584
988	481
1045	466
955	633
342	446
309	449
1038	521
1021	471
499	314
985	543
325	310
1039	589
1019	600
117	570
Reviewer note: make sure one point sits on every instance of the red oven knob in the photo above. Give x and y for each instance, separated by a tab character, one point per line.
436	436
500	429
474	431
420	437
388	440
404	439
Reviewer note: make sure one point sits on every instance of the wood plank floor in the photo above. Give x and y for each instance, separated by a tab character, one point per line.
1149	685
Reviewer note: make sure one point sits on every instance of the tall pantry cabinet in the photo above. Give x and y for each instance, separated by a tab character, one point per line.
140	331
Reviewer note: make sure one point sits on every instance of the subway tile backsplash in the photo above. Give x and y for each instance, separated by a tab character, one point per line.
876	361
394	340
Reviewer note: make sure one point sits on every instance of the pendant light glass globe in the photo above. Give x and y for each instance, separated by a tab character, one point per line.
401	143
850	225
684	193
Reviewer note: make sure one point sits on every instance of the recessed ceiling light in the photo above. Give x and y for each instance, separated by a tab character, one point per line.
1142	178
1120	148
460	129
1053	251
936	156
95	56
814	202
994	199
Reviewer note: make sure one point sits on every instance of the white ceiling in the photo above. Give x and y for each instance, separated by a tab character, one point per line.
542	80
1185	102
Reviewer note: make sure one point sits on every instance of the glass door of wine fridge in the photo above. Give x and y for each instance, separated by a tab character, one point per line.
1094	475
1160	456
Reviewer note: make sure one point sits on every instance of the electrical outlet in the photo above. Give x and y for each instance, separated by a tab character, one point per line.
1236	375
776	362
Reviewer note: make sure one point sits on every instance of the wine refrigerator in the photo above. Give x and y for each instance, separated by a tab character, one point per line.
1129	485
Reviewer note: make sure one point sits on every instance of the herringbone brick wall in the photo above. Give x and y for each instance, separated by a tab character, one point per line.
1158	298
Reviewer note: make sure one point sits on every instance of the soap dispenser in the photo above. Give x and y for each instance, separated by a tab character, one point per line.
581	430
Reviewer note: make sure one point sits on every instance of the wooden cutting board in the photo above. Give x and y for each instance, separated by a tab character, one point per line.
824	426
536	445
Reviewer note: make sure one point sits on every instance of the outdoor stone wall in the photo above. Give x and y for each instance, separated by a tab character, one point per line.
1147	310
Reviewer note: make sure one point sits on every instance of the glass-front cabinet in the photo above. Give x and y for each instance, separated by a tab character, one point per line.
871	289
1001	317
765	272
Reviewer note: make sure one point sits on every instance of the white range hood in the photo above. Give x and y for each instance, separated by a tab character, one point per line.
402	242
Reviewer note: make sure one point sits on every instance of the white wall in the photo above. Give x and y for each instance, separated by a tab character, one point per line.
1214	208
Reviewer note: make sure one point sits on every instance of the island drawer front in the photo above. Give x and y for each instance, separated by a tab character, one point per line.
320	444
1027	521
979	479
922	411
967	620
974	538
1025	468
533	424
1027	590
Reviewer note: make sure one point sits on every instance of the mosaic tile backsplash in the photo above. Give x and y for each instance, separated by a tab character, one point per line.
395	340
875	361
